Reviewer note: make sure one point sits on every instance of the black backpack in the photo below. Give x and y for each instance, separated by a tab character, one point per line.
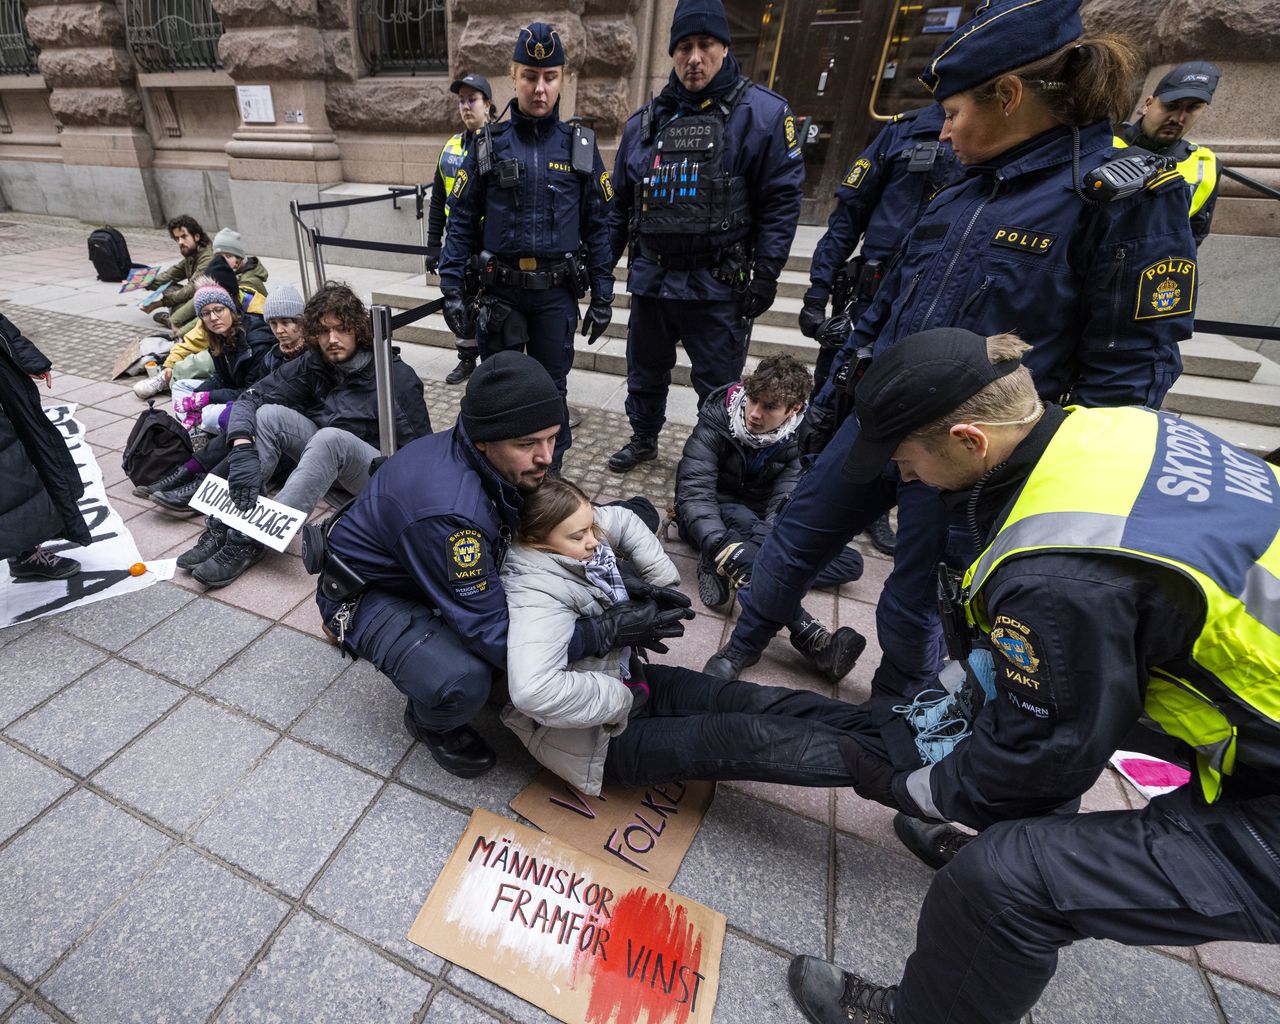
109	254
157	446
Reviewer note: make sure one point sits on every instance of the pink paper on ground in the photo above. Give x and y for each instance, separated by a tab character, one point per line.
1156	774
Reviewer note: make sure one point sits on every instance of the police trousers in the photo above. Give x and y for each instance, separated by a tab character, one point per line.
713	333
1175	873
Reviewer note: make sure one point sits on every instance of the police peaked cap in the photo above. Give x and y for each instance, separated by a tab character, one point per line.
1001	37
539	46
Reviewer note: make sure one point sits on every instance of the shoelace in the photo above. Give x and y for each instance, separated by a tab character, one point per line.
41	557
863	999
938	723
951	841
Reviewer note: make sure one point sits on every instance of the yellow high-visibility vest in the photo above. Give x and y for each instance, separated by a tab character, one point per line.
451	158
1199	169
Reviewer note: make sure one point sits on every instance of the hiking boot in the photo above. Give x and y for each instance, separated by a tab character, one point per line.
832	654
39	564
639	449
466	366
175	499
462	751
713	589
231	561
207	545
881	535
163	317
177	478
149	387
729	662
199	441
828	995
935	843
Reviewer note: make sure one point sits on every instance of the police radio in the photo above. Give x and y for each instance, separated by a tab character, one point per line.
1122	177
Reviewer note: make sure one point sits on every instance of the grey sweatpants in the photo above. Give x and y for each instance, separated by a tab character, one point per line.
325	455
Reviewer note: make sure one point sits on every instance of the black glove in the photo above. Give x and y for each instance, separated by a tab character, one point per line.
244	476
639	624
813	313
597	318
816	429
735	560
758	297
664	597
433	258
456	313
834	331
874	777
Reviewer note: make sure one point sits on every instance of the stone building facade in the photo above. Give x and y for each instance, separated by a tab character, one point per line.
99	127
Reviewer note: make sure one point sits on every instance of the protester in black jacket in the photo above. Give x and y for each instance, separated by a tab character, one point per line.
739	465
39	483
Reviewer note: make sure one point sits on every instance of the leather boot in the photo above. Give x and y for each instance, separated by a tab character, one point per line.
935	843
231	561
729	662
207	545
175	499
828	995
833	654
639	449
713	589
177	478
462	751
466	366
881	535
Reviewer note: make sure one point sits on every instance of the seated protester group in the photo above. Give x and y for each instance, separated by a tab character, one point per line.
321	411
609	716
174	308
740	464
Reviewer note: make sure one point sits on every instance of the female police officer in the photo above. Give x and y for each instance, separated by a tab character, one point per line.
1102	289
530	196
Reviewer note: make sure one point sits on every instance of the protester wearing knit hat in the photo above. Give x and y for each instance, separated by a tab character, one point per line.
283	313
284	302
228	241
213	294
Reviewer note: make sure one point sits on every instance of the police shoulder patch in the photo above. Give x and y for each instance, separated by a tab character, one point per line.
1022	671
466	561
606	187
857	172
789	131
1166	288
459	183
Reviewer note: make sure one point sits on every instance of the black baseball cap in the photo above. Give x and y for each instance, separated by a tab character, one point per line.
913	383
1196	79
477	82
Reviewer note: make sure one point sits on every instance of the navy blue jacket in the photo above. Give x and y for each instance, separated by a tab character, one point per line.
761	139
880	200
545	214
234	370
433	526
1103	293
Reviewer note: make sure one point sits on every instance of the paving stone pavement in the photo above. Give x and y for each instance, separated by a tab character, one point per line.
207	815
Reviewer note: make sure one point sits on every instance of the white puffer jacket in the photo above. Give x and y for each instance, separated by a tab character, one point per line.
566	713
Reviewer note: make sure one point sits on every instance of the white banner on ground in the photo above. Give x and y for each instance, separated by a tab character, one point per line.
268	521
105	563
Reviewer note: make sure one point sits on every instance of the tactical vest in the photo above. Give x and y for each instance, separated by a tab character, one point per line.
1200	170
451	158
687	189
1147	485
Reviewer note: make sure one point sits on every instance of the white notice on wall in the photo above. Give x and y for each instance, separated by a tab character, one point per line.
255	104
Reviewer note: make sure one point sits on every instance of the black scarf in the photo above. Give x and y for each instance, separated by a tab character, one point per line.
677	97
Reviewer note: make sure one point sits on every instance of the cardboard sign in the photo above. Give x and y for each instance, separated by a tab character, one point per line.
139	277
588	942
647	831
137	353
268	521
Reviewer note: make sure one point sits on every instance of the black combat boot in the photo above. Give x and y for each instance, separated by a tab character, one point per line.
639	449
935	843
207	545
828	995
881	535
177	478
462	751
176	499
466	366
231	561
729	662
713	589
833	654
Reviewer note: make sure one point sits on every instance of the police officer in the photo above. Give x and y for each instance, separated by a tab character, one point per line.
476	109
531	198
1103	290
709	177
1153	602
410	577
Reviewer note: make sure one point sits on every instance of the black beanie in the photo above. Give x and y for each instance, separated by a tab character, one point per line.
222	274
699	18
510	395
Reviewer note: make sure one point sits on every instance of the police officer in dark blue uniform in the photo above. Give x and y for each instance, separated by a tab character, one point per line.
709	177
1103	290
530	205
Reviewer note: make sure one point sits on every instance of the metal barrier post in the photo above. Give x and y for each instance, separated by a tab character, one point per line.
303	272
321	275
422	224
381	318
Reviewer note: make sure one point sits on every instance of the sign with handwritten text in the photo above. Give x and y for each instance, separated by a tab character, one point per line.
644	830
588	942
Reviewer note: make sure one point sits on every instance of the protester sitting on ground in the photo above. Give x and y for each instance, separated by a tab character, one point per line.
174	309
611	716
740	464
283	313
39	482
320	410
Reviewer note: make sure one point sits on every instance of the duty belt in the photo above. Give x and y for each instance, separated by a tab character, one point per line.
680	261
534	280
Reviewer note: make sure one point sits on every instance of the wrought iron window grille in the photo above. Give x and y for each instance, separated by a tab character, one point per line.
403	36
17	51
173	35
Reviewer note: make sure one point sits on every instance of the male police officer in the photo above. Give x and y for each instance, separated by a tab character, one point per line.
410	580
475	105
1168	114
708	179
1130	577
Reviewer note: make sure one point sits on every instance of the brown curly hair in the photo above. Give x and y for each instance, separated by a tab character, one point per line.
781	377
341	303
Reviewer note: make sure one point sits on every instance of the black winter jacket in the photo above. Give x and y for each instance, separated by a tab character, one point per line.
233	371
39	483
715	469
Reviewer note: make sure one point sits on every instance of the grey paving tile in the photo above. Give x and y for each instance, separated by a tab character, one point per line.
753	985
8	995
194	642
117	621
878	897
284	820
277	676
380	880
19	629
447	1008
179	770
1124	985
38	664
28	1014
28	788
360	717
764	869
59	876
1243	1005
96	716
171	950
315	973
493	790
512	1006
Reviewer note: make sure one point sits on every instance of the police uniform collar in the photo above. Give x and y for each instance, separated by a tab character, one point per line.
1049	149
528	124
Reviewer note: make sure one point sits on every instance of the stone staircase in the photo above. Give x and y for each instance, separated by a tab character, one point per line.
1228	389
